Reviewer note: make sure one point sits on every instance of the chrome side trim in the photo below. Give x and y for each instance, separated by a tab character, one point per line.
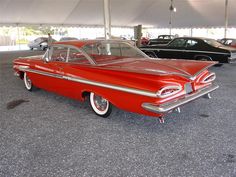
178	50
23	67
166	107
85	81
41	72
114	87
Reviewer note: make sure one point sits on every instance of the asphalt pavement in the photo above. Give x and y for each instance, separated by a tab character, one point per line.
44	134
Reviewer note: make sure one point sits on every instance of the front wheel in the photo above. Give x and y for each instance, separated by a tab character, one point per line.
28	83
100	105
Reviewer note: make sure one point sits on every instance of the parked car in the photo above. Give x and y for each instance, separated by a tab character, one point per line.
145	41
109	72
40	43
228	41
194	49
68	39
162	39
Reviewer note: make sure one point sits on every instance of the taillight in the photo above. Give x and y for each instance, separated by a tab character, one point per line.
168	91
209	78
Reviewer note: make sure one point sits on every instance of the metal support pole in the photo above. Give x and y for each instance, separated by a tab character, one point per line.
170	23
18	36
191	32
226	17
107	18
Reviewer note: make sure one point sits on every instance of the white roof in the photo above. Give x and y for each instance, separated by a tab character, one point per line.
190	13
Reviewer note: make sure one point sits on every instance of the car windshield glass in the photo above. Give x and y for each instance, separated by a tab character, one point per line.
213	42
103	52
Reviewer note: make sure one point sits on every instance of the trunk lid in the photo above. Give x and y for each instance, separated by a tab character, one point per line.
186	68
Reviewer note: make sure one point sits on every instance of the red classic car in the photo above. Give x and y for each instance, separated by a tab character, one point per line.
110	72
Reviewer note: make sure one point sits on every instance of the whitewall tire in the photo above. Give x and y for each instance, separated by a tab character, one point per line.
28	82
100	105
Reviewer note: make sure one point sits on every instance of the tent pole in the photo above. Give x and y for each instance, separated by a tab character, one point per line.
170	22
107	18
18	35
226	17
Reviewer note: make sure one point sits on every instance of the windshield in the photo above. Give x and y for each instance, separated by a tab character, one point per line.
213	42
110	51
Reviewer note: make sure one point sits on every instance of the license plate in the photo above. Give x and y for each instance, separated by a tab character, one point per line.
188	88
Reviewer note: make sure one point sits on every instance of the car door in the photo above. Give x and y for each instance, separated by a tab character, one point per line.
191	49
174	49
49	75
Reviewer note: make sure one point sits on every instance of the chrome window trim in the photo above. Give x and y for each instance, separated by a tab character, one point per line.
67	55
91	61
120	42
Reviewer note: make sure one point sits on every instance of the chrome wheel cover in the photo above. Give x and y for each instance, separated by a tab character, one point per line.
27	81
99	104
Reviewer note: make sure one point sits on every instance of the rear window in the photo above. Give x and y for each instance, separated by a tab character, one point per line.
213	42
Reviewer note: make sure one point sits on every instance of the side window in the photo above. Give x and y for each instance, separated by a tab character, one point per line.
128	51
92	49
75	56
58	53
178	43
167	37
191	43
228	42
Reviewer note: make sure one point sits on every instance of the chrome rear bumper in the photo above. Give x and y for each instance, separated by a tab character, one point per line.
166	107
232	60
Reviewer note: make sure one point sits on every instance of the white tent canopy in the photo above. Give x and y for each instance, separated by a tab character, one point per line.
151	13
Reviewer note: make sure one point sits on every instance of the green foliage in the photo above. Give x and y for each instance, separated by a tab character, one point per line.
35	30
22	41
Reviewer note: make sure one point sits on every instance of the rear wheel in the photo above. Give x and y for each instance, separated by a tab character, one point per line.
28	83
204	58
100	105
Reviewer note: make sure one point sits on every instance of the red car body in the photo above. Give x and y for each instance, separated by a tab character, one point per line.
140	84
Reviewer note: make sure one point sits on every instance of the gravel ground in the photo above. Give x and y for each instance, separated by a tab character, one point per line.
43	134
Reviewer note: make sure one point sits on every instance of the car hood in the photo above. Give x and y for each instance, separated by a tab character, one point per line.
185	68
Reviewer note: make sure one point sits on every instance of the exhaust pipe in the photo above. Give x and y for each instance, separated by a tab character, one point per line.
208	96
161	120
178	110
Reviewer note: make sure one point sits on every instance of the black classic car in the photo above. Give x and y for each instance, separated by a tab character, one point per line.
192	48
162	39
